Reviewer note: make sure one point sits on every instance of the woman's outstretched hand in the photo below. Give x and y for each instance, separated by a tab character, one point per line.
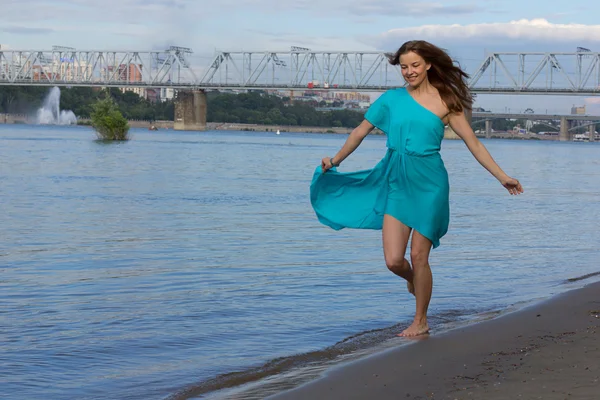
512	185
326	164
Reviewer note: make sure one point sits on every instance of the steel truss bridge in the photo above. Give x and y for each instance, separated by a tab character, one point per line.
575	73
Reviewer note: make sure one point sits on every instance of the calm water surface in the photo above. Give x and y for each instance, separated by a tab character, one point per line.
152	269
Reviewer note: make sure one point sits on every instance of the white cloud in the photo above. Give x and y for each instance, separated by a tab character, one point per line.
536	30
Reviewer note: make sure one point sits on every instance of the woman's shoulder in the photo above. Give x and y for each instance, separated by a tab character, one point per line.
396	91
393	94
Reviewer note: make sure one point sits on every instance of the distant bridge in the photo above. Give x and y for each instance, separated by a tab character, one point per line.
298	69
564	129
532	116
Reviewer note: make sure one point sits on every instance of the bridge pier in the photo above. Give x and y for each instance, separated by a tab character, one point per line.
190	110
488	128
563	135
592	132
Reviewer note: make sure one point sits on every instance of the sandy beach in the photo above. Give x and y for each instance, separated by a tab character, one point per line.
547	351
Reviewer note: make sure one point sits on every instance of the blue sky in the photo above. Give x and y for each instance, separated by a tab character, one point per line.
466	28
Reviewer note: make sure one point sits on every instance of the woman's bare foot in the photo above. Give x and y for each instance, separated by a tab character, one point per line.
416	329
411	288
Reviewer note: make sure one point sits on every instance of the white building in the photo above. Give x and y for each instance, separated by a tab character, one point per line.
137	90
167	94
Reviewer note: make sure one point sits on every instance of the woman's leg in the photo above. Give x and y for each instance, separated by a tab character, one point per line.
423	281
395	239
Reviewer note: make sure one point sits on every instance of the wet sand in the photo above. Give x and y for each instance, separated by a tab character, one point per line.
547	351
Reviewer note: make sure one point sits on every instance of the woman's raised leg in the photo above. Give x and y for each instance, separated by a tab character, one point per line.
395	239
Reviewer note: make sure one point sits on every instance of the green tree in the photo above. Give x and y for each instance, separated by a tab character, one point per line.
108	122
80	100
275	115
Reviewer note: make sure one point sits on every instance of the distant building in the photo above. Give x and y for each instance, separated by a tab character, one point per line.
352	96
40	75
578	110
167	94
71	70
140	91
153	95
122	72
62	70
130	72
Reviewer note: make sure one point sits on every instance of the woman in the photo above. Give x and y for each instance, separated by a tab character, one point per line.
407	191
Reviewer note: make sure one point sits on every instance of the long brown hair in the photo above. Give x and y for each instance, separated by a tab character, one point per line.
444	75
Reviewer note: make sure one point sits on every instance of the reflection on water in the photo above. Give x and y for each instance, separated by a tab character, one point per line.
147	269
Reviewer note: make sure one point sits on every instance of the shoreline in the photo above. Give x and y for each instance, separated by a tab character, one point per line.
546	350
226	126
268	381
448	133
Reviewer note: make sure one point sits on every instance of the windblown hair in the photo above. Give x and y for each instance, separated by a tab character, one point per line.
444	75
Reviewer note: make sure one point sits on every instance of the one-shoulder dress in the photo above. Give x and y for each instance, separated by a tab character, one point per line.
410	183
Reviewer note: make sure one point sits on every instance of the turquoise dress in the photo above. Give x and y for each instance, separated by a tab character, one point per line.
410	183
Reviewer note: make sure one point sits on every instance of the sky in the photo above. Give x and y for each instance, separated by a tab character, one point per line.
468	30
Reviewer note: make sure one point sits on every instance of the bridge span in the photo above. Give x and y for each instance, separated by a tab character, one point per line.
297	69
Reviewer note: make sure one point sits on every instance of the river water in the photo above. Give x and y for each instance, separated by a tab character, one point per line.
183	264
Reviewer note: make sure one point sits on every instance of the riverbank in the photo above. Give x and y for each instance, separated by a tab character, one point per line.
219	126
546	351
225	126
448	133
25	119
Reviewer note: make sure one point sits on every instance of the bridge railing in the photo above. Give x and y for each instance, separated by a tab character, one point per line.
564	73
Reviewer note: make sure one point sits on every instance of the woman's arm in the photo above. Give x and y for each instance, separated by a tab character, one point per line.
459	124
352	142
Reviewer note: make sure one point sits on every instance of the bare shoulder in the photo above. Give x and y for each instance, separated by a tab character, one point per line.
432	100
438	105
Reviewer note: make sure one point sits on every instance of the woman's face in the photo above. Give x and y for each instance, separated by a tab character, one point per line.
414	68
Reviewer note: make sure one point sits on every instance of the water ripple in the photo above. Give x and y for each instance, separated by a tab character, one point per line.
161	267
